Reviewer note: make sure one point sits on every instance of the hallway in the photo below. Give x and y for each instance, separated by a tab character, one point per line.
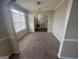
38	29
38	45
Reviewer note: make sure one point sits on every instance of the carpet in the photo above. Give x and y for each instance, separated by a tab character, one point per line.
38	45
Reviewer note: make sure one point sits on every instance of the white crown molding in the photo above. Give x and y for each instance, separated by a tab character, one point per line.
59	4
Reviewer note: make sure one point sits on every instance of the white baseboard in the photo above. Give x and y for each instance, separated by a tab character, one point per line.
3	38
67	58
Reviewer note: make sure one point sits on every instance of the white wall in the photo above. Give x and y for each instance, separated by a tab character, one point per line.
70	45
5	47
8	40
70	49
65	28
31	22
23	32
10	30
4	42
59	20
3	31
72	29
50	15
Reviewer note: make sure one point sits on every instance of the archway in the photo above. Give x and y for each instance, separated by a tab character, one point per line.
40	23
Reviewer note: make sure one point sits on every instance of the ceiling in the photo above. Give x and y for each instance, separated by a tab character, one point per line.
44	6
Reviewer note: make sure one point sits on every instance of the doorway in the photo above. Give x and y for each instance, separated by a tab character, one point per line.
40	23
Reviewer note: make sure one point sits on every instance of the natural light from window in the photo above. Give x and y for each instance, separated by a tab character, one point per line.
18	20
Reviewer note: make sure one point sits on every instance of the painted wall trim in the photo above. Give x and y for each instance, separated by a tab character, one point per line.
59	4
55	36
65	24
72	40
66	57
3	38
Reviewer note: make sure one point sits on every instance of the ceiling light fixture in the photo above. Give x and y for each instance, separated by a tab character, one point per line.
38	5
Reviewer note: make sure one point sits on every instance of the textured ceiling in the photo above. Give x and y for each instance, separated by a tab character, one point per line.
45	4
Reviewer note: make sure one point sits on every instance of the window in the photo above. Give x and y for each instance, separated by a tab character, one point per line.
18	20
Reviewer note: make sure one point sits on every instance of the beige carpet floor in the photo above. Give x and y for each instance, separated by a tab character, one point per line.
38	45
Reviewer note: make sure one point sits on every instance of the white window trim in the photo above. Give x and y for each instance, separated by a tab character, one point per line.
19	13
